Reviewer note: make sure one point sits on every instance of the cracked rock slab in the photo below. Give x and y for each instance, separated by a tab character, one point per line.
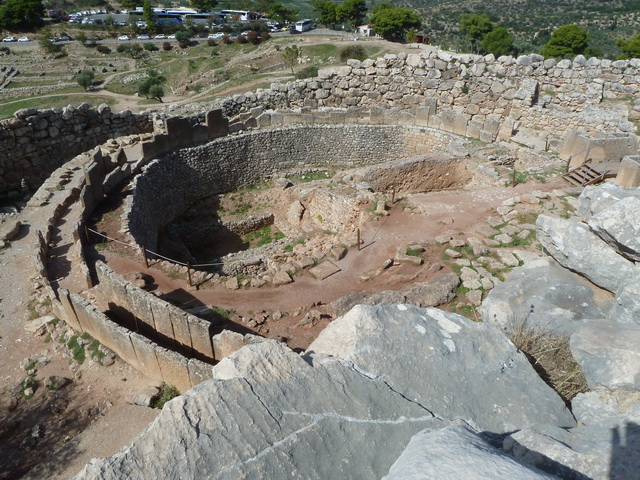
455	453
468	371
577	248
270	413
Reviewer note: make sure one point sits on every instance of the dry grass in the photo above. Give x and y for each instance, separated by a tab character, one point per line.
551	357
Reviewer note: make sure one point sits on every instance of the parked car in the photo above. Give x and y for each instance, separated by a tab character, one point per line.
23	39
216	36
124	37
160	36
172	36
144	37
9	39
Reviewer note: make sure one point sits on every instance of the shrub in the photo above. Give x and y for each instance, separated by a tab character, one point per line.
166	46
150	47
211	42
353	51
103	49
227	40
183	39
550	356
242	39
167	392
264	36
308	72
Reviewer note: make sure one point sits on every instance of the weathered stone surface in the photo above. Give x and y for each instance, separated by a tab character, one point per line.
343	304
626	308
609	449
431	294
269	413
9	229
457	452
595	199
282	278
575	247
227	342
490	374
324	270
146	396
547	296
602	403
608	354
619	226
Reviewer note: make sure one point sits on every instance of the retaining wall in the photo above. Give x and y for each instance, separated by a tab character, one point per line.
172	183
546	96
36	142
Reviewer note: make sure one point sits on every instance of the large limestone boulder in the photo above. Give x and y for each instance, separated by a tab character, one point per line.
467	370
269	413
609	354
619	226
609	449
455	453
546	296
626	308
577	248
595	199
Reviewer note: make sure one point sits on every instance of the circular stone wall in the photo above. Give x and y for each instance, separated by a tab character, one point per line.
170	184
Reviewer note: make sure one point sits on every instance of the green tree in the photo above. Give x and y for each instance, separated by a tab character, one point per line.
498	41
630	48
85	79
183	39
21	14
81	37
475	27
327	12
393	22
566	41
281	13
291	54
147	14
204	5
352	12
156	91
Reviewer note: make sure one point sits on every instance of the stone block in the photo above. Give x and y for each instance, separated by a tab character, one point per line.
200	134
70	317
200	337
181	330
179	130
121	343
145	351
324	270
199	371
629	173
174	368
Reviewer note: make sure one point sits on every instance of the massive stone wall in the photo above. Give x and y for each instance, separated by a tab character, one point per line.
547	96
36	142
170	184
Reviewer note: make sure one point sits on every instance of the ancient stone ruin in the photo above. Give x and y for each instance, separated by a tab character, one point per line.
389	389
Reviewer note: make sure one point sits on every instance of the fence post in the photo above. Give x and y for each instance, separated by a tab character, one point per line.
189	273
86	233
393	195
358	240
144	254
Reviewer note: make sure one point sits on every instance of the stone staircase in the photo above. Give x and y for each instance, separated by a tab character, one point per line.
589	174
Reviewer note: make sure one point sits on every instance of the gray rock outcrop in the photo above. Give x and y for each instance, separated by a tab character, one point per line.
344	409
575	247
609	354
547	297
619	226
492	378
626	308
609	449
455	453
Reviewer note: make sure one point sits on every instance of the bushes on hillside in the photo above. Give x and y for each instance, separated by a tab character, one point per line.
353	51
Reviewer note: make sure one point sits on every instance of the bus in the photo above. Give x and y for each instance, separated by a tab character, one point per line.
242	15
303	25
203	18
